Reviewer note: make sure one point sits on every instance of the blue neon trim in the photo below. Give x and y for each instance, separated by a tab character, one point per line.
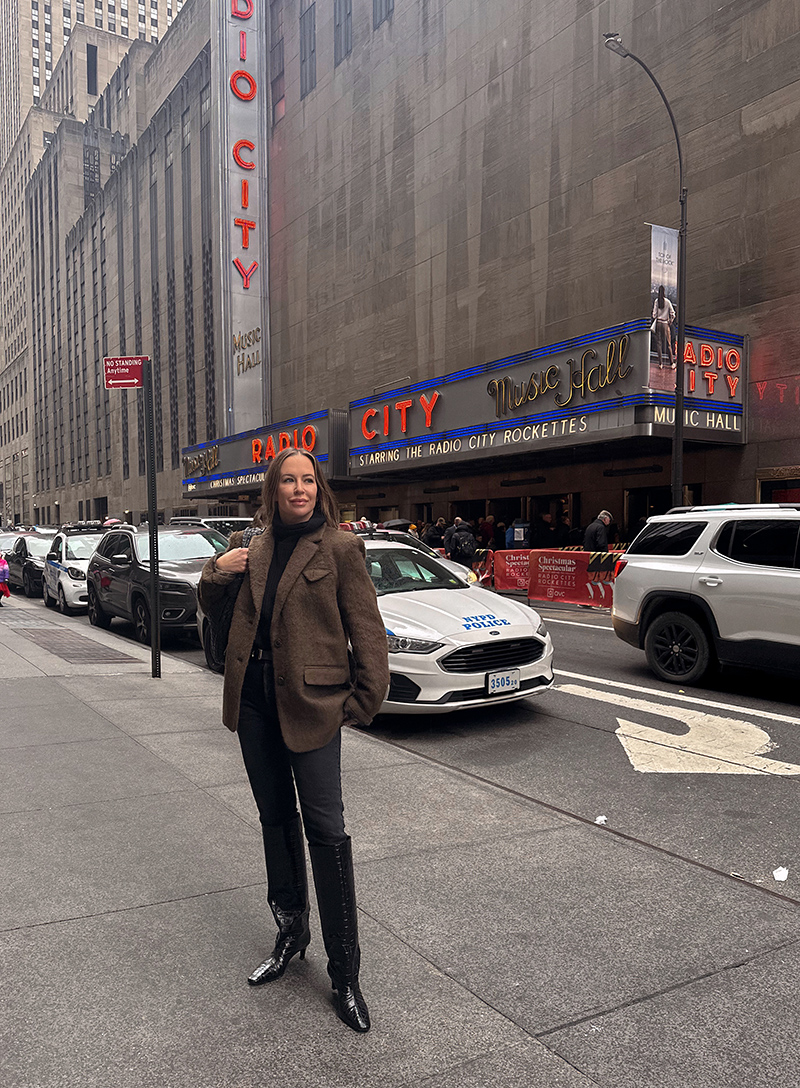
287	423
635	400
240	472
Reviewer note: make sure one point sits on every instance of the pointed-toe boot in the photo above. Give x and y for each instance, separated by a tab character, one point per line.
287	893
336	896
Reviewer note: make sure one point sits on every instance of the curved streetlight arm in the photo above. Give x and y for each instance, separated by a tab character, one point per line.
664	99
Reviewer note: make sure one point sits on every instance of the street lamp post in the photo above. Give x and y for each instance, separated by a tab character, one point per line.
614	43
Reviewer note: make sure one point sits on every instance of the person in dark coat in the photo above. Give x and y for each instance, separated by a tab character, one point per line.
595	539
449	533
434	534
290	685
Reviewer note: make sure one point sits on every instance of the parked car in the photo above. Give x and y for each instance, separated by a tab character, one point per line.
453	645
398	536
26	562
708	585
118	575
64	581
226	526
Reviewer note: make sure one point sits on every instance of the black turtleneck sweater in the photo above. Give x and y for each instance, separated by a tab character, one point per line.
286	538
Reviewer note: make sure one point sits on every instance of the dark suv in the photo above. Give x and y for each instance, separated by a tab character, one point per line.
26	562
118	577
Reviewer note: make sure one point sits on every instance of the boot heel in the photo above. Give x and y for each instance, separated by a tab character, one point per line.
302	953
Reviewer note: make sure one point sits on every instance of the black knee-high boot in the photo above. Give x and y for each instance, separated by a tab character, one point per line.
336	897
287	894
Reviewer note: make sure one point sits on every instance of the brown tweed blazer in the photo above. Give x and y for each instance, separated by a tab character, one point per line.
325	598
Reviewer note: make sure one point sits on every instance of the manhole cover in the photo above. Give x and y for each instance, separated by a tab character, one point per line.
75	649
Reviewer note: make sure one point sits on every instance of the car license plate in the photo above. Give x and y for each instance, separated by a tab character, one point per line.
500	683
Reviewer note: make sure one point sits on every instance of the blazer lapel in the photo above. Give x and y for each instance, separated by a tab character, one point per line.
304	552
259	559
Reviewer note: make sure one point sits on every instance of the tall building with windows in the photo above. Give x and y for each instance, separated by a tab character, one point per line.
33	34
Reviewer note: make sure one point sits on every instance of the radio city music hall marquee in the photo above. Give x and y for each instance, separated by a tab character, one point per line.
594	388
239	52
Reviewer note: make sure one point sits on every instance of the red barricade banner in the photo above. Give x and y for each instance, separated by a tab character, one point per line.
512	571
572	577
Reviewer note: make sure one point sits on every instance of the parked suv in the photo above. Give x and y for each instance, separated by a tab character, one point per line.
118	577
64	581
26	562
707	585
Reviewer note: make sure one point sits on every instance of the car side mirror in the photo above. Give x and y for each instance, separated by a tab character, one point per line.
52	555
120	561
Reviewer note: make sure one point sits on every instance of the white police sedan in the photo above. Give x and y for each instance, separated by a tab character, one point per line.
453	645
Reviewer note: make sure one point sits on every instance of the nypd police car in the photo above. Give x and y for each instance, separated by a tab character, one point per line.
64	579
453	645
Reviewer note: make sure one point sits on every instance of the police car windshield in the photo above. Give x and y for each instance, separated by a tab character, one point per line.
399	571
81	547
190	544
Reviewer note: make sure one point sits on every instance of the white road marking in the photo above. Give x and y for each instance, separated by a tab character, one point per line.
712	745
695	700
577	623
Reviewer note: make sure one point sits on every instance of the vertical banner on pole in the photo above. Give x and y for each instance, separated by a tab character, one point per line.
663	273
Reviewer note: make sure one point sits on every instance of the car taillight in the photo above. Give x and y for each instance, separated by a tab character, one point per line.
619	567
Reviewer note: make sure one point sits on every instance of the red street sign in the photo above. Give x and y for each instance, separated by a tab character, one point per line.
124	372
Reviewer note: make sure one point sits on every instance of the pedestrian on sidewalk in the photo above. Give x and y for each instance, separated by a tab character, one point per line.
4	590
290	685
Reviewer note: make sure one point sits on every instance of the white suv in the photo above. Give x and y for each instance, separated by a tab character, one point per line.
707	585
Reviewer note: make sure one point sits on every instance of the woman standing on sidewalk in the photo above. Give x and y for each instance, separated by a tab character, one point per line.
290	685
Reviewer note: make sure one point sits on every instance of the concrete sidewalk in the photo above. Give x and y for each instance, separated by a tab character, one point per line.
503	944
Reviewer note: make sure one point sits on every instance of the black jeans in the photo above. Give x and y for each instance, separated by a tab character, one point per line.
275	771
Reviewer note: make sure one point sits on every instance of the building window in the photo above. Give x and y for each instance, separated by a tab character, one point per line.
308	51
91	69
278	85
381	11
342	30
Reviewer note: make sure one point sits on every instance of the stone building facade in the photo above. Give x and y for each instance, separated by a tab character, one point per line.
454	188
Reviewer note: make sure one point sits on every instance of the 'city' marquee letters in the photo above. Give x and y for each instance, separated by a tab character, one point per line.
243	85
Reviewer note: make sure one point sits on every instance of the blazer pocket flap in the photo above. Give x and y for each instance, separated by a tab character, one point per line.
326	675
315	573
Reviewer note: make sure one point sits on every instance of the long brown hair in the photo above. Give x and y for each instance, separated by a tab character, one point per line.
326	503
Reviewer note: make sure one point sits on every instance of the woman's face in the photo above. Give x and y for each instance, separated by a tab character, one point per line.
297	489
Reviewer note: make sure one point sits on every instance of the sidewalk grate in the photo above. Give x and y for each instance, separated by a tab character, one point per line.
75	649
22	619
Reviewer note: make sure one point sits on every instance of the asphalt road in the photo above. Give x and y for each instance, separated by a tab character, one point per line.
709	774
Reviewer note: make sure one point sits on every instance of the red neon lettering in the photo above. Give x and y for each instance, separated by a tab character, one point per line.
237	154
245	96
257	450
245	193
242	45
269	453
733	359
706	355
427	406
247	225
367	431
402	407
732	381
294	433
761	386
688	352
711	379
245	273
781	390
386	419
719	358
309	438
284	441
238	13
691	381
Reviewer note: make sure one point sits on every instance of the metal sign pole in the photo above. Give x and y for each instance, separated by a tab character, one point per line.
152	518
